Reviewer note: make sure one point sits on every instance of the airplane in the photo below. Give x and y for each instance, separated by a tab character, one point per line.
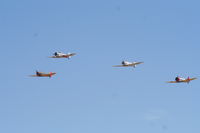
41	74
128	64
62	55
182	80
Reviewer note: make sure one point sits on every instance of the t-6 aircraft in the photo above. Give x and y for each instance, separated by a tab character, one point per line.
62	55
41	74
182	80
128	64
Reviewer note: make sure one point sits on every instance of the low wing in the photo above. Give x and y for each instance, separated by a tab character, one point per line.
55	57
119	66
33	75
133	64
172	82
52	56
138	63
127	65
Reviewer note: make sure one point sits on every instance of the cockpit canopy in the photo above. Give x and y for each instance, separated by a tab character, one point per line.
177	79
58	53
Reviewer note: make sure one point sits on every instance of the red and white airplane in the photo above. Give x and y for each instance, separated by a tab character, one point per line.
62	55
128	64
182	80
42	74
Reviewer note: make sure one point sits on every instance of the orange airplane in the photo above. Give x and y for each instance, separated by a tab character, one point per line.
41	74
182	80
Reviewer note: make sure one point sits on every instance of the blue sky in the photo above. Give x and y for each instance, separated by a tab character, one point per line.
88	95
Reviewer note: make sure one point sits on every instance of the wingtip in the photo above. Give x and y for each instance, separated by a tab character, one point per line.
171	82
51	57
116	66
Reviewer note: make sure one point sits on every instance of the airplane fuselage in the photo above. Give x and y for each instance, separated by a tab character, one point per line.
41	74
126	63
62	55
46	75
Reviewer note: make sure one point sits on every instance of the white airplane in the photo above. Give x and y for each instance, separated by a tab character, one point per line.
128	64
182	80
62	55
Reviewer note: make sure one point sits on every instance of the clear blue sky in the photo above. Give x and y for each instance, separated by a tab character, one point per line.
88	95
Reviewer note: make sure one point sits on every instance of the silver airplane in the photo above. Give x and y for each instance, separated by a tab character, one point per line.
128	64
62	55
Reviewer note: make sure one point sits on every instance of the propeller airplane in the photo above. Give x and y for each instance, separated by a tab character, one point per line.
42	74
182	80
128	64
62	55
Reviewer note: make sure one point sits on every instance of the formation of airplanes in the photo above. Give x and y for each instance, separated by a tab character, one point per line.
123	64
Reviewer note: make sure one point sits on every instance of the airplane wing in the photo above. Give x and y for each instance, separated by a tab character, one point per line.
138	63
172	82
54	57
119	66
128	65
33	75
